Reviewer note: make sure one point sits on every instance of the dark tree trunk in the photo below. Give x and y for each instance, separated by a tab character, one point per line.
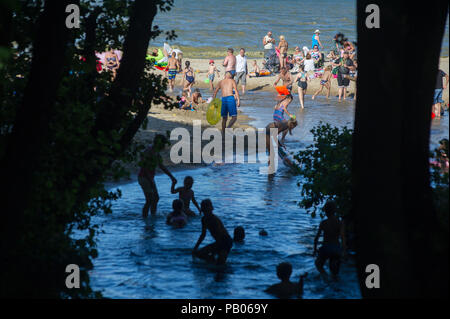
24	145
396	223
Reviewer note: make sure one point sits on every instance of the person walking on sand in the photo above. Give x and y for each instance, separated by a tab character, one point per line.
223	241
172	67
241	69
285	76
269	44
316	39
188	78
230	99
146	177
230	63
212	70
283	48
332	229
302	82
325	82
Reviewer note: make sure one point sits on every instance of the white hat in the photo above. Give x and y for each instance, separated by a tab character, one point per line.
317	31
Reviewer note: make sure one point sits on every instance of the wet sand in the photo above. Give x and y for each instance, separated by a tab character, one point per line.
265	83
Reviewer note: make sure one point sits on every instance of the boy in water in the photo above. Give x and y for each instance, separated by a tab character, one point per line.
186	194
177	218
332	229
146	178
211	73
172	67
325	82
286	288
222	246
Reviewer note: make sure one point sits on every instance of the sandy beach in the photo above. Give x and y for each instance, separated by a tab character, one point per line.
265	83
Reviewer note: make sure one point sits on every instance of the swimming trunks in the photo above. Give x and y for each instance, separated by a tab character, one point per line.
228	106
172	73
232	72
211	77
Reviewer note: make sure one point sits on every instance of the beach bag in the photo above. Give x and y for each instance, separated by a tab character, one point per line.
213	112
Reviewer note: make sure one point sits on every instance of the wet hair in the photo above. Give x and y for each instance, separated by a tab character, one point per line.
330	207
188	179
239	233
177	205
187	64
206	205
284	270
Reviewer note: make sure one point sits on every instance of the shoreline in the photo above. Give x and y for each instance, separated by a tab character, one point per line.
265	83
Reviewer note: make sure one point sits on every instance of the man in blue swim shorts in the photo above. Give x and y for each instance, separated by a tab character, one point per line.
230	100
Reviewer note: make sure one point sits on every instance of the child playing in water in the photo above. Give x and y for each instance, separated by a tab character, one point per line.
211	73
332	229
188	78
325	81
302	82
286	288
177	218
186	194
197	98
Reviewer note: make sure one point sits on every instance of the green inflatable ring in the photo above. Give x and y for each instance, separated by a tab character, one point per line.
213	112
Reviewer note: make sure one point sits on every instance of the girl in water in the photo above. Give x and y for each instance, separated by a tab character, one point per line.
188	78
302	82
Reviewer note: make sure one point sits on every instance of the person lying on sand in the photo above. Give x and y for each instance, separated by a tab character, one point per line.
286	289
186	194
177	218
223	244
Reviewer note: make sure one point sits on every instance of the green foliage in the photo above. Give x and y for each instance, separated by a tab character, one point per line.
68	186
326	169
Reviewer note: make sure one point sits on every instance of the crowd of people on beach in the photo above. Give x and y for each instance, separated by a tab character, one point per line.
294	69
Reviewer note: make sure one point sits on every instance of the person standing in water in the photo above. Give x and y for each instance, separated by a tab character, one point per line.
177	218
230	100
186	194
172	67
212	70
331	249
146	177
285	76
223	241
230	63
302	82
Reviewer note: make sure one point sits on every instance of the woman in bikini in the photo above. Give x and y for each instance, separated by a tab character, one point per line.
283	48
325	81
188	78
302	82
